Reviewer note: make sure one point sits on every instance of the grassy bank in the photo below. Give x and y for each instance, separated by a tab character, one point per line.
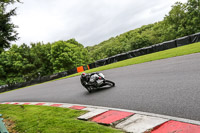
179	51
43	119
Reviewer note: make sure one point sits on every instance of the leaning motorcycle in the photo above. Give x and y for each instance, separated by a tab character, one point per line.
98	82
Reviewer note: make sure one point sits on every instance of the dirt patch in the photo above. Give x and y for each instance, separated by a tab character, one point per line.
10	125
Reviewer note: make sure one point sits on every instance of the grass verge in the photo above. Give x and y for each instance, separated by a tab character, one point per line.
44	119
179	51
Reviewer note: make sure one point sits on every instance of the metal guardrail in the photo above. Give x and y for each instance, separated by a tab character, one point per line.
2	126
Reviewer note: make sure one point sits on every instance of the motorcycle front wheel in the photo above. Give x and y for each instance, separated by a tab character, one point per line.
89	88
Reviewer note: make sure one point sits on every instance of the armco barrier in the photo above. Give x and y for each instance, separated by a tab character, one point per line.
122	56
54	76
131	54
44	79
35	81
107	61
72	71
157	47
112	59
169	44
100	63
63	74
92	65
183	41
195	37
149	49
143	51
137	52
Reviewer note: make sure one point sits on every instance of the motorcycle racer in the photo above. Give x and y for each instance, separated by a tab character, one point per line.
88	79
95	81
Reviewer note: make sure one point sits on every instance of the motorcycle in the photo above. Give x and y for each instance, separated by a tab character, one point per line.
97	82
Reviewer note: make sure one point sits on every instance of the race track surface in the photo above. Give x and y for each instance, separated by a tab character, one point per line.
168	87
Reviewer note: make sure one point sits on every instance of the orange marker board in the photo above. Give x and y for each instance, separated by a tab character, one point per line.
80	69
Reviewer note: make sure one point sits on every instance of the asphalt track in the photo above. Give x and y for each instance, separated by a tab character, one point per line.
168	87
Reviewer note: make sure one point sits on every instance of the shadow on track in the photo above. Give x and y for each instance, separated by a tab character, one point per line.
97	90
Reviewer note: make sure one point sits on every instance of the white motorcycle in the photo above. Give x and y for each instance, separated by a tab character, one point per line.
97	81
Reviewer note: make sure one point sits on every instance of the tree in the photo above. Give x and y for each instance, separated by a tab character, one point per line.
193	16
7	31
41	54
66	56
11	66
139	41
183	19
73	41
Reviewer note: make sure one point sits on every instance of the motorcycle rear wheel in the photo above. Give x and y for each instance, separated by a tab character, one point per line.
109	83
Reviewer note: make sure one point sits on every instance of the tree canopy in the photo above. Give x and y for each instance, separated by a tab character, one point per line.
24	63
7	28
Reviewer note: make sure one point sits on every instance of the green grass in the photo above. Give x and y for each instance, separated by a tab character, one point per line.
179	51
44	119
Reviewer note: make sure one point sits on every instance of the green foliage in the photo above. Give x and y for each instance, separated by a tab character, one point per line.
41	54
73	41
139	41
10	65
66	55
7	31
183	19
62	56
24	63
